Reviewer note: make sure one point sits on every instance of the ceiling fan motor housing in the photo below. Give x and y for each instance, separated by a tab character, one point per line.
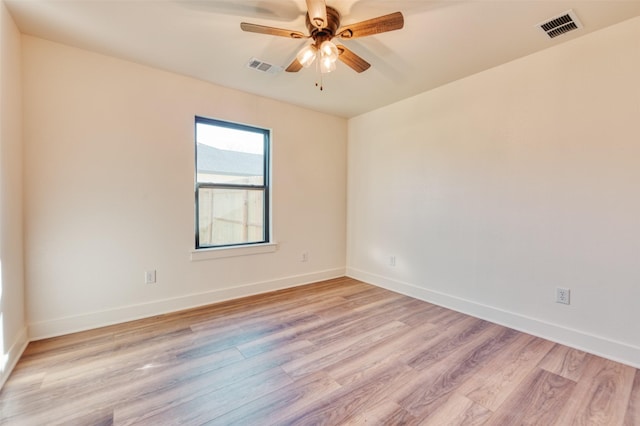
328	31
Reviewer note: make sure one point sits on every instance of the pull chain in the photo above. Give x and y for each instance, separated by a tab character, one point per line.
320	85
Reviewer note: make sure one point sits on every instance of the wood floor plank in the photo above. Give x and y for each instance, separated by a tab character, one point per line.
445	317
458	410
247	337
566	362
271	341
69	351
502	374
430	388
419	314
399	416
603	397
21	385
537	402
384	352
334	352
385	413
170	390
200	407
271	408
356	322
131	356
359	397
632	417
464	333
76	396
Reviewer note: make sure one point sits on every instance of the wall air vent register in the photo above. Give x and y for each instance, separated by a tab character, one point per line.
561	24
262	66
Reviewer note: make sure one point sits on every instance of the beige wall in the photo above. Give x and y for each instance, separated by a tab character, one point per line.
13	332
109	169
494	190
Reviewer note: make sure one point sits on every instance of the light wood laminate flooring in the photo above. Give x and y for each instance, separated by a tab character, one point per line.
333	353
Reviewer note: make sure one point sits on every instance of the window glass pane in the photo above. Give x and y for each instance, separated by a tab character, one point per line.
230	216
229	155
232	182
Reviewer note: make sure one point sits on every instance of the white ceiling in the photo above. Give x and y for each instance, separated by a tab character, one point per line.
441	41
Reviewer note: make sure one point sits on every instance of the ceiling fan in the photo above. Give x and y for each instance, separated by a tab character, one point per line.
323	23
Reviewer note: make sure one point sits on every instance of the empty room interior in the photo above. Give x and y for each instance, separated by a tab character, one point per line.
319	212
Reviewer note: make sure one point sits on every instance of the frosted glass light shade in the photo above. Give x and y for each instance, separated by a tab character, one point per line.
307	55
327	64
329	50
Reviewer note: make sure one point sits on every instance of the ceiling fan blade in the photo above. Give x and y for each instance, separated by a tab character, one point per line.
352	60
261	29
294	66
317	13
381	24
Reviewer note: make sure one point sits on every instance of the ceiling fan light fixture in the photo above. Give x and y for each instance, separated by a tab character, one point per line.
307	55
327	64
323	24
328	54
329	50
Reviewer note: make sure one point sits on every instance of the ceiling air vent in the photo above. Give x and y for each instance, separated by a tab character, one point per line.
561	24
262	66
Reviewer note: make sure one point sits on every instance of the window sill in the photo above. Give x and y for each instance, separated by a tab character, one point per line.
222	252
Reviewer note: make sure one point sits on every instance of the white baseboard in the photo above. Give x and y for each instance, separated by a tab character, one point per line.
597	345
10	359
91	320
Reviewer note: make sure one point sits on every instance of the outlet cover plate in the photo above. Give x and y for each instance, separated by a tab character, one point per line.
563	295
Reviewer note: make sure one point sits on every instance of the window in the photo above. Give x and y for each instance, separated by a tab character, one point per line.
232	184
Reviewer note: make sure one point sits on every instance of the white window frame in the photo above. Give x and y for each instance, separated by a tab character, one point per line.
265	245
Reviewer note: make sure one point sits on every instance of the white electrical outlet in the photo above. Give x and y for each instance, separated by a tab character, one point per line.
563	295
304	256
392	261
150	276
